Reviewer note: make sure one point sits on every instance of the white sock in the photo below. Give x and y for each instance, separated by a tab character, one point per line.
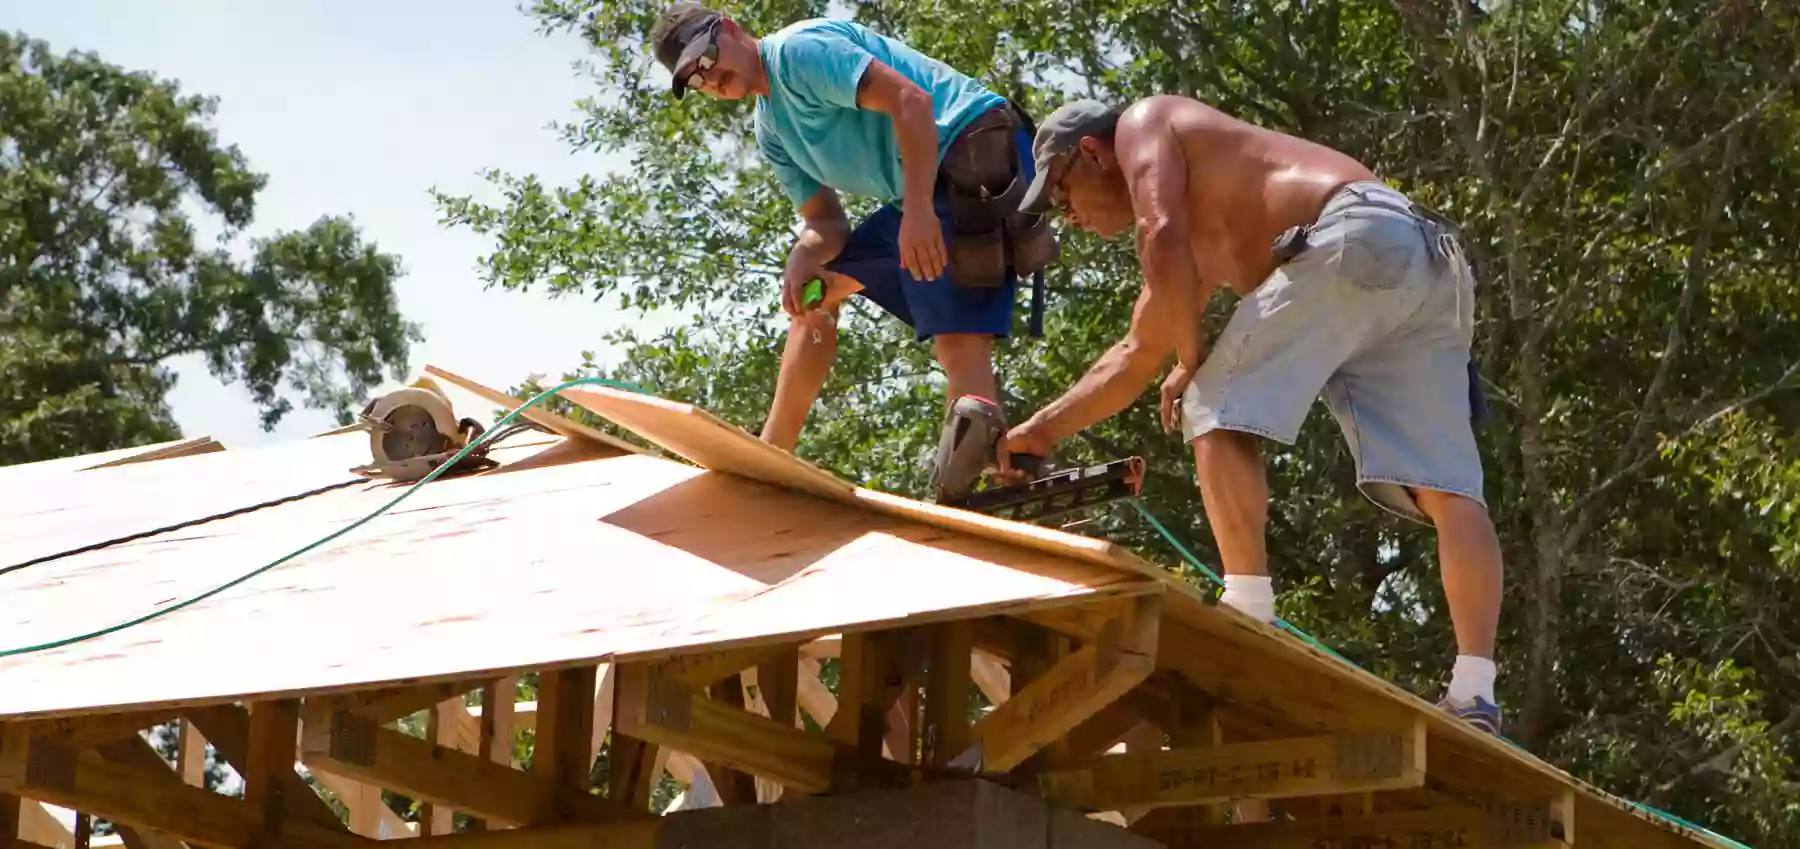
1470	677
1252	594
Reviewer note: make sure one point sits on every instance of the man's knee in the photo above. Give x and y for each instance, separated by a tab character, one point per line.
964	353
1223	445
1448	509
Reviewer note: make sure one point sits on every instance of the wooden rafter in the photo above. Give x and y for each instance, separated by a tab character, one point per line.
151	798
348	745
1312	766
1122	654
228	727
673	714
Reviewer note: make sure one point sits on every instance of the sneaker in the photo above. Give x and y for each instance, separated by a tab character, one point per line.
1481	713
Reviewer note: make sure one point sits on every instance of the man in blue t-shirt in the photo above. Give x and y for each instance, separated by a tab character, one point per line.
840	107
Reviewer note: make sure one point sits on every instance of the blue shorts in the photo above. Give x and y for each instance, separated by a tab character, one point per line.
871	257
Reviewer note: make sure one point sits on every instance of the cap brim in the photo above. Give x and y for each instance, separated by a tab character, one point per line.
1037	195
684	64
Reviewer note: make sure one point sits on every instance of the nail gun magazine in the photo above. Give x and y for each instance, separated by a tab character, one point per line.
973	427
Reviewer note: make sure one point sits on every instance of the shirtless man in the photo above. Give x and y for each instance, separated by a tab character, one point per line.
1348	290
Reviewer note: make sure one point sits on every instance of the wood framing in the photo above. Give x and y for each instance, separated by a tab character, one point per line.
673	714
81	732
741	621
1121	655
156	799
348	745
228	728
1349	762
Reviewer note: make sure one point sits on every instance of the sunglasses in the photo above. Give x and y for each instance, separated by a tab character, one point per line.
696	79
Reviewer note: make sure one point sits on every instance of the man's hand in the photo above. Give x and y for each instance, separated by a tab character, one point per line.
1028	438
793	285
922	241
1174	386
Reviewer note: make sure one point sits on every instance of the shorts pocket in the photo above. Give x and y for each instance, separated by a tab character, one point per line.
1378	250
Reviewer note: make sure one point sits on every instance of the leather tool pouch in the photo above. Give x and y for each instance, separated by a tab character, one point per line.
982	175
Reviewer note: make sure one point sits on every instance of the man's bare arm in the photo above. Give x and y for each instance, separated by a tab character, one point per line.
1118	377
823	231
824	227
1156	172
884	90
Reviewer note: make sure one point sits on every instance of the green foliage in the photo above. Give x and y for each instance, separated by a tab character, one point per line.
102	279
1627	179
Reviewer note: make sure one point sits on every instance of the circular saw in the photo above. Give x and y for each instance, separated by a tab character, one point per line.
413	431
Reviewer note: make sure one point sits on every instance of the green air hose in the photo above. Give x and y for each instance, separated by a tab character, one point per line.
490	436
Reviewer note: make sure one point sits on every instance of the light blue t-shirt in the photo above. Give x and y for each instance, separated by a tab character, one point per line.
809	127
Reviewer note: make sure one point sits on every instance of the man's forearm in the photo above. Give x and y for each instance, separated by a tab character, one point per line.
915	132
1110	385
819	243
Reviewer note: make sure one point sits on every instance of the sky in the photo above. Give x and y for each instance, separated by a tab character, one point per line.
361	108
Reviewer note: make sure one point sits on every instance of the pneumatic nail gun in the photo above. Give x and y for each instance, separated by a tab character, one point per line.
973	427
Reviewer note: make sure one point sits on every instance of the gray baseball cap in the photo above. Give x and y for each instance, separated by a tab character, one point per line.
680	35
1057	139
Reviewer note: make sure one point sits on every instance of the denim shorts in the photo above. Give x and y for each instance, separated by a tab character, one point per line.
871	257
1376	315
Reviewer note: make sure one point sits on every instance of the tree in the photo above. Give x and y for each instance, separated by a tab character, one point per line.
102	279
1623	171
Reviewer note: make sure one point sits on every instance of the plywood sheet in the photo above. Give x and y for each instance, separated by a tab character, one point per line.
560	424
19	472
703	439
56	513
499	572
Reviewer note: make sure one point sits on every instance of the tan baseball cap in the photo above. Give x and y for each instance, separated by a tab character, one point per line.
1056	141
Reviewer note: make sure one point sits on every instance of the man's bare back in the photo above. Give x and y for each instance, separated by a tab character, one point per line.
1245	185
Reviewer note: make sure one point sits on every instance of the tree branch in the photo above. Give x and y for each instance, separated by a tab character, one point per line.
1721	762
1640	195
1627	473
1696	278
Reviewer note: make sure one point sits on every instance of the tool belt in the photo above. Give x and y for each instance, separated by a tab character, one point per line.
983	176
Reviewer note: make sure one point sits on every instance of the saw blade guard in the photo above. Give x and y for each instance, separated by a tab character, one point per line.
410	423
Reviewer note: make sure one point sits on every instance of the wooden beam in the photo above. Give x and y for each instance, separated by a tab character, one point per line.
736	787
38	825
1122	654
85	732
440	729
815	698
495	741
673	715
190	754
1309	766
135	752
778	684
563	754
859	723
60	776
228	728
639	834
385	706
631	771
1460	827
274	730
703	669
947	680
369	814
12	809
343	743
991	677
